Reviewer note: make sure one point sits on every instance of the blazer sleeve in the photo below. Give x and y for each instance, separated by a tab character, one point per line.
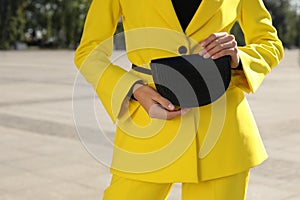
92	57
263	49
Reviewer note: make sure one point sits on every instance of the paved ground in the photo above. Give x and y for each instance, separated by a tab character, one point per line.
41	156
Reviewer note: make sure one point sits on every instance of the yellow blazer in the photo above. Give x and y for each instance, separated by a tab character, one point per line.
208	142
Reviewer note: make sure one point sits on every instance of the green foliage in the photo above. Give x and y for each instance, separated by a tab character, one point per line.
298	32
60	20
12	22
285	20
59	23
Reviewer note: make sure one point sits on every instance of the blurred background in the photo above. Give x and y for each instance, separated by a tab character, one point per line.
41	23
43	155
58	23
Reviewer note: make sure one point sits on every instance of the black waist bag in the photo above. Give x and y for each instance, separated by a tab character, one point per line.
190	80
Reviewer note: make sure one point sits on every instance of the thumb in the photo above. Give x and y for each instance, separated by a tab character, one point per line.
165	103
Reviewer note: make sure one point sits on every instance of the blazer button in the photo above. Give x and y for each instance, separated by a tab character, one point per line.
182	50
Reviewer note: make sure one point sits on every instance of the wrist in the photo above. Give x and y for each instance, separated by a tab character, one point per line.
237	65
133	88
136	90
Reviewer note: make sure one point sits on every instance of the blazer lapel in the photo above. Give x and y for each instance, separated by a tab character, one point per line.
166	11
206	10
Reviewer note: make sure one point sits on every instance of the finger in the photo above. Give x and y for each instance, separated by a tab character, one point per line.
222	47
165	103
220	42
217	45
173	114
212	37
185	110
233	53
156	111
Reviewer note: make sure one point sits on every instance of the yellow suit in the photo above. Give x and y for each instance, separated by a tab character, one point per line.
213	141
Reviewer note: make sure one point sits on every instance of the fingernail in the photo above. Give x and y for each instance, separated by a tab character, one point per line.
171	106
206	56
185	110
203	44
202	52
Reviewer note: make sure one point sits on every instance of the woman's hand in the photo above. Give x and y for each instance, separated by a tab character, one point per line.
156	105
220	44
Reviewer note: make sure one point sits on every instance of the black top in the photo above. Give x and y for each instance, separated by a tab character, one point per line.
185	10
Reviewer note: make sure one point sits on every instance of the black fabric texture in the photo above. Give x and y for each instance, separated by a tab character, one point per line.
239	67
190	80
185	10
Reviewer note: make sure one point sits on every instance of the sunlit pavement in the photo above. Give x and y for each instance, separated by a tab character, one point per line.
42	156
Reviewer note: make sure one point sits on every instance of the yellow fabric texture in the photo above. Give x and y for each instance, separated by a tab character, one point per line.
231	187
209	142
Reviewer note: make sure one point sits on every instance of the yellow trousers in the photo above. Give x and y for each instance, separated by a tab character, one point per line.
226	188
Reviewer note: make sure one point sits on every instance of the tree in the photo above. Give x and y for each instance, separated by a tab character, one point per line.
12	22
285	20
59	21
